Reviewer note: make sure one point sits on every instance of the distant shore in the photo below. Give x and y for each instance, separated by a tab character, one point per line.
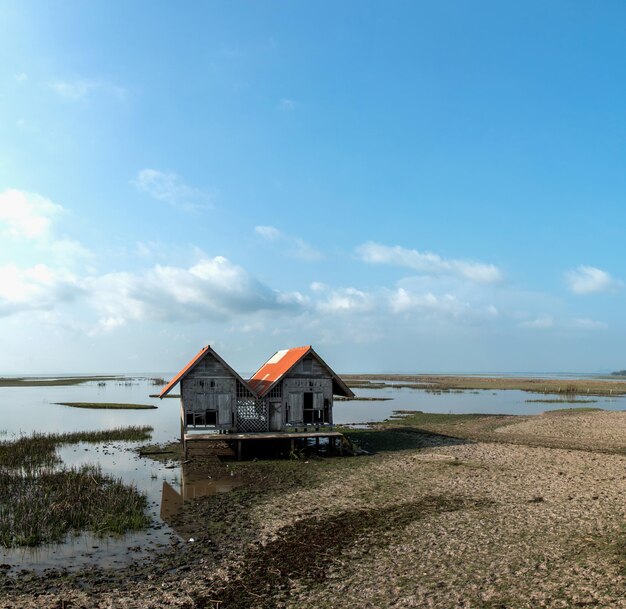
431	382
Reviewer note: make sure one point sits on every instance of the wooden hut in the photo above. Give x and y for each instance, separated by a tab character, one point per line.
297	388
293	389
211	393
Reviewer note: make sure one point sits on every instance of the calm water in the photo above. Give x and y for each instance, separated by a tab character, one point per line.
28	409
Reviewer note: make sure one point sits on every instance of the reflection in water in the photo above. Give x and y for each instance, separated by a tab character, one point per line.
193	484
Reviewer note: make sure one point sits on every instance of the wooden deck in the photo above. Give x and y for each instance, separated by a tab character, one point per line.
334	438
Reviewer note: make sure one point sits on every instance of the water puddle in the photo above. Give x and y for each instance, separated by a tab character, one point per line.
195	484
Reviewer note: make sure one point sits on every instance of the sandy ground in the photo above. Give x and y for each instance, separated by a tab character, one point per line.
467	525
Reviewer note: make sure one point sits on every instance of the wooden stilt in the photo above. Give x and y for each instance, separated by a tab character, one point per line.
238	450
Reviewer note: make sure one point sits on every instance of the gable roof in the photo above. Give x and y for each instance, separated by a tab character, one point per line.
275	368
192	364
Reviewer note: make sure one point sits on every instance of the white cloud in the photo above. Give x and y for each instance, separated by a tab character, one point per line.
402	301
428	305
169	187
584	323
347	300
214	288
543	322
287	104
29	218
590	280
294	246
428	263
26	215
318	286
301	249
268	232
75	90
37	287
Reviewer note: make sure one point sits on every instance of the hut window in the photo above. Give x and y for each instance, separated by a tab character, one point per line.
212	383
201	383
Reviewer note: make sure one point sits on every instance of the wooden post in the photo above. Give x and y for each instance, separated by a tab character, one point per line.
238	450
183	426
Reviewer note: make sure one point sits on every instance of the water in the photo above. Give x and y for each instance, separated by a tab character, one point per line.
508	401
28	409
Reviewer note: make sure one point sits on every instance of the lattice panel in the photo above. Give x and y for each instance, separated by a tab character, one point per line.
252	415
276	392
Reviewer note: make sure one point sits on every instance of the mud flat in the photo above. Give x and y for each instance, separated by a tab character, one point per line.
447	511
591	386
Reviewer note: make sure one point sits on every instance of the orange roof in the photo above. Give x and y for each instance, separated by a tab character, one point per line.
275	367
184	371
267	376
187	369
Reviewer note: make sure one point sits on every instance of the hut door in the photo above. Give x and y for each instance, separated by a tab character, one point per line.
223	409
276	415
295	407
318	407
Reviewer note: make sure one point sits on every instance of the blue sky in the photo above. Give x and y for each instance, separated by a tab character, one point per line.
408	186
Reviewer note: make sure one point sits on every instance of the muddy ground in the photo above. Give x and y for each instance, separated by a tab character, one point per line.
448	511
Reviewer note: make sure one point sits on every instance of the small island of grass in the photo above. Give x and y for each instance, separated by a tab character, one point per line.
108	405
42	501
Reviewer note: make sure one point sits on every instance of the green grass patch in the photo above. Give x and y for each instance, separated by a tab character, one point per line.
107	405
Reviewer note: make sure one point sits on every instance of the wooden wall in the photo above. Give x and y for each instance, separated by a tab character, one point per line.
307	376
211	386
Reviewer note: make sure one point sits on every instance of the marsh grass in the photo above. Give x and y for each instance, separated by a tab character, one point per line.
573	411
54	382
562	401
107	405
42	502
39	450
44	508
